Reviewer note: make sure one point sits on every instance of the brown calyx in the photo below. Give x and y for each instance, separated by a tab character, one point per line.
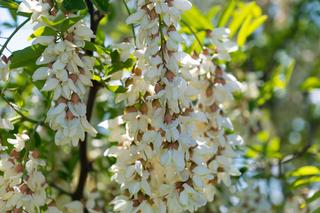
168	117
172	28
144	109
156	103
19	168
205	51
62	100
209	91
14	154
130	109
74	77
153	14
214	107
170	75
69	115
35	154
158	88
5	59
69	37
75	98
137	71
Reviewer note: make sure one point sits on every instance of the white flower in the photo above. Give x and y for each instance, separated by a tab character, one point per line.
74	206
19	141
182	4
220	38
6	124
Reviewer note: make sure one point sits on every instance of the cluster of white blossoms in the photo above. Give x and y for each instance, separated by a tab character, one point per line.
22	184
67	71
176	149
216	88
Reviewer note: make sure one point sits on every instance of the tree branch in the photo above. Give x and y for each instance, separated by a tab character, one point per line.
193	32
85	165
12	34
305	149
24	117
132	25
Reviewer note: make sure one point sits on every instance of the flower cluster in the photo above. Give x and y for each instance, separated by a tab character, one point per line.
216	88
67	71
174	151
22	184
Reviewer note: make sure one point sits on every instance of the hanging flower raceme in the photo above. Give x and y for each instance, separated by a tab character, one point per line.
167	163
66	70
216	89
22	184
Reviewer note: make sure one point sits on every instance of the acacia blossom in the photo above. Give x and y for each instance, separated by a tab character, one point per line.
66	70
22	184
167	162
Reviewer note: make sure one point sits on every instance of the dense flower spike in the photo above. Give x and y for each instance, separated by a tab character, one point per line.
67	72
175	151
22	184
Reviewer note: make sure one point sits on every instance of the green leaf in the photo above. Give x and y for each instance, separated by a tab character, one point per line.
227	14
306	171
305	181
62	23
257	23
9	4
317	210
196	20
26	56
42	31
239	16
94	47
213	12
101	35
102	5
116	89
310	83
272	149
244	31
74	5
314	197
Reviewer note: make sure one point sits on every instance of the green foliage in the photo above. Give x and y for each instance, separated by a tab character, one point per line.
102	5
279	81
73	5
306	171
26	57
310	83
9	4
62	23
42	31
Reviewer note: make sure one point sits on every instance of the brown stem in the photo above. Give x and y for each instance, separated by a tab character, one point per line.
85	165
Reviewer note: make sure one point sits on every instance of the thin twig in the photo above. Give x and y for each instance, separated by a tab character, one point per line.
193	32
132	26
305	149
24	117
12	34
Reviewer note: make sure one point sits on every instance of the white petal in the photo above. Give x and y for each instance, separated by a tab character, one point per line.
40	74
182	4
50	84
